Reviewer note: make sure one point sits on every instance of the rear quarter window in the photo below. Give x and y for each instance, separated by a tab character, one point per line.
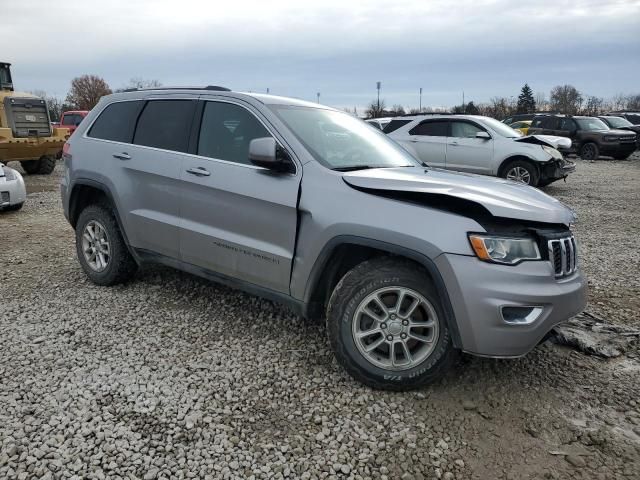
116	122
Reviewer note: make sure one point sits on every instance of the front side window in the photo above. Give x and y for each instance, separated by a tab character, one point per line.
433	128
116	122
165	124
567	124
227	130
69	119
464	129
340	141
591	124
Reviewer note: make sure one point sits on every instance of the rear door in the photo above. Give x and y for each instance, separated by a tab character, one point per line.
138	148
238	219
465	152
550	125
428	141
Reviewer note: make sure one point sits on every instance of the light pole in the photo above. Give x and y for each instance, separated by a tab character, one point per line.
378	87
318	97
420	108
267	90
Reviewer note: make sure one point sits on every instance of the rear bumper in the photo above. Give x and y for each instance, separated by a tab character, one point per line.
30	148
479	290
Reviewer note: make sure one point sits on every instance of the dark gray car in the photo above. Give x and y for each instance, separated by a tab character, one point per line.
312	207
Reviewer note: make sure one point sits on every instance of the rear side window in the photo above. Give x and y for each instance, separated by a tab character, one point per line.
393	125
165	124
537	123
227	130
437	128
551	123
567	124
116	122
69	119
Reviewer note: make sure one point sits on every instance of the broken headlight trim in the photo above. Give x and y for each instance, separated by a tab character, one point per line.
504	250
9	174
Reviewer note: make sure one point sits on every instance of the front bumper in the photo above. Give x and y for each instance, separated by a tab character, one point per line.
479	290
557	169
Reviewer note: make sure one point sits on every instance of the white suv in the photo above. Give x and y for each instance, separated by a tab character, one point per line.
476	144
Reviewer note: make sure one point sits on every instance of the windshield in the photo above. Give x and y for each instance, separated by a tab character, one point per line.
5	77
591	124
500	128
617	122
340	141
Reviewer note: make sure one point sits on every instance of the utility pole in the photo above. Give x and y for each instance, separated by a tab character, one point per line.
318	96
267	90
463	101
378	87
420	108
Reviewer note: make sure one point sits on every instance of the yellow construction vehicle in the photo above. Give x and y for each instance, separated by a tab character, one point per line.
26	134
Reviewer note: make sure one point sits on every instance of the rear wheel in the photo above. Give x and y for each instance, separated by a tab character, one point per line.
521	171
43	166
386	325
589	151
101	250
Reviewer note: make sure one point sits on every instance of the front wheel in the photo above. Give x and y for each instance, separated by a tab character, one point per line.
521	171
386	325
589	151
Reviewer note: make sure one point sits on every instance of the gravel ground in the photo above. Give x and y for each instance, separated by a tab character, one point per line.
173	377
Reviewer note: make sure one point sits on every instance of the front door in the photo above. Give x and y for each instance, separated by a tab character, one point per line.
238	220
465	152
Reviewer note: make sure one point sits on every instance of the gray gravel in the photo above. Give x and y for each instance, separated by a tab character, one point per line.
173	377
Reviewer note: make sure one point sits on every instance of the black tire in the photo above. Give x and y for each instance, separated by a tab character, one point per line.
42	166
120	266
353	288
14	208
531	169
589	151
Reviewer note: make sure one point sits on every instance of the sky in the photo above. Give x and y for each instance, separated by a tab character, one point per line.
340	48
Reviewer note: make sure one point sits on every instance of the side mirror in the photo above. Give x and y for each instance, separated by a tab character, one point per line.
483	135
265	152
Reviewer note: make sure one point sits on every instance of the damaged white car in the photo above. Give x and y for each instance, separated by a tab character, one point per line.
12	191
483	145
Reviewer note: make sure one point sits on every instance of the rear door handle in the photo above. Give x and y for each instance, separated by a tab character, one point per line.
199	171
122	156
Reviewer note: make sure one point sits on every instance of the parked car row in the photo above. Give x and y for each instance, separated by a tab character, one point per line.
482	145
611	135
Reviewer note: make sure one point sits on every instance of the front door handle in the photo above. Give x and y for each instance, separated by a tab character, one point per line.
122	156
199	171
454	144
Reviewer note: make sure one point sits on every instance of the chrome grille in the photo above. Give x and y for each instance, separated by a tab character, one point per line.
563	254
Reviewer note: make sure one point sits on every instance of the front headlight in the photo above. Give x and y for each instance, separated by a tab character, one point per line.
504	250
552	151
9	173
609	138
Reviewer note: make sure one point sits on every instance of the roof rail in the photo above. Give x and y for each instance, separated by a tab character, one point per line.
430	113
208	87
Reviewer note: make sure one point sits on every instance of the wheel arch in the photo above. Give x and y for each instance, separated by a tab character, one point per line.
344	252
512	158
89	192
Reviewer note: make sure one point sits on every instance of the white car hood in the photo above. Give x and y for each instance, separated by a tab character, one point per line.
550	140
502	198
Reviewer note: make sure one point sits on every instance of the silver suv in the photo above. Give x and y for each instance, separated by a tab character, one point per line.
483	145
309	206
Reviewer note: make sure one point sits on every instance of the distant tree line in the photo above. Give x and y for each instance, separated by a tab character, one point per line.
85	92
565	99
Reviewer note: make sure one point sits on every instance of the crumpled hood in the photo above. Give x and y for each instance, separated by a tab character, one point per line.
502	198
550	140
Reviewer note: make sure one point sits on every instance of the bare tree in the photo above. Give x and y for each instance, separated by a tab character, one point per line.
374	110
86	92
542	105
593	106
566	99
397	110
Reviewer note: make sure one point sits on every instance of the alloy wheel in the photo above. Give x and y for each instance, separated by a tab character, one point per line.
519	174
395	328
95	246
